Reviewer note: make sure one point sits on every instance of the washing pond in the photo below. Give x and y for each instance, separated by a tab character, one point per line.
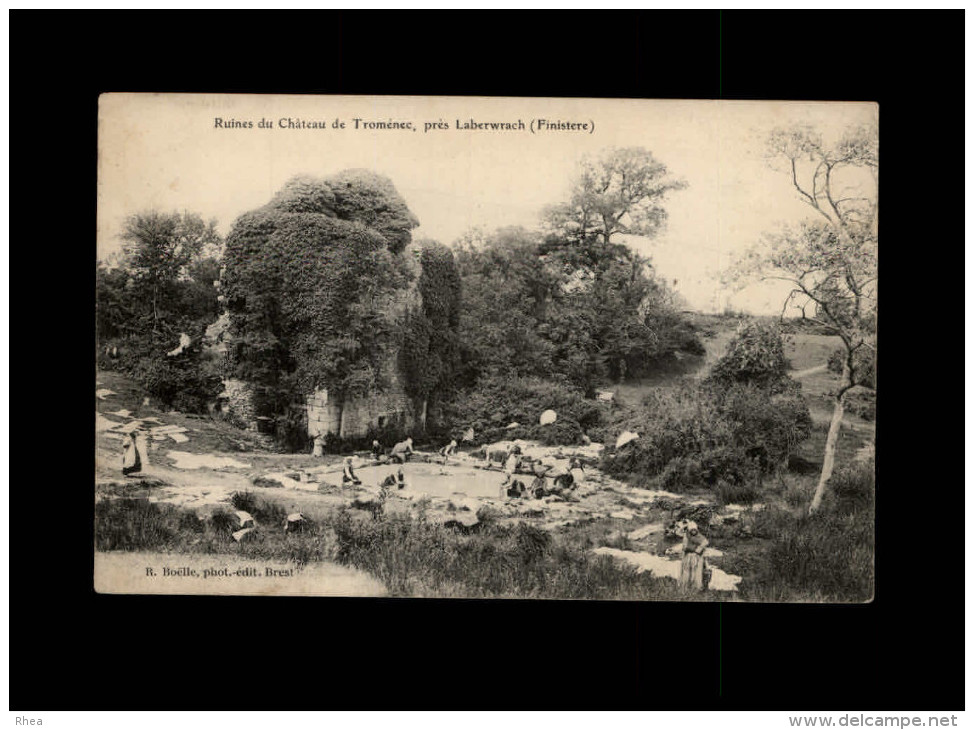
435	480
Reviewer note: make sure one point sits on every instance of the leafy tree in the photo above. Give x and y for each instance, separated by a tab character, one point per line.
506	292
158	249
430	355
831	261
160	287
115	309
534	307
621	191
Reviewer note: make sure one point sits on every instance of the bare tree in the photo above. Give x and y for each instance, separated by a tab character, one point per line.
831	261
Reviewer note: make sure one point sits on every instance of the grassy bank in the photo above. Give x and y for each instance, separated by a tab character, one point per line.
828	556
410	555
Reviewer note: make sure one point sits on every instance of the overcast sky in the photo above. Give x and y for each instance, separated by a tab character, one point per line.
166	152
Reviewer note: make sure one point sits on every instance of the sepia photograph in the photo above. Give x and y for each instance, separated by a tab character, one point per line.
484	347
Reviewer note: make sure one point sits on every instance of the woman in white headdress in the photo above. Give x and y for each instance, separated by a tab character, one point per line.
134	453
691	570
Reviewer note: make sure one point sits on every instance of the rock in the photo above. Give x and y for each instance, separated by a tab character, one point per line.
295	523
245	518
246	533
623	514
547	417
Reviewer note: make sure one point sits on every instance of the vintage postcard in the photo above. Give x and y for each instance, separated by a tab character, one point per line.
486	347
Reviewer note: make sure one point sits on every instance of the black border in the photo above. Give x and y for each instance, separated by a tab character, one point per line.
73	650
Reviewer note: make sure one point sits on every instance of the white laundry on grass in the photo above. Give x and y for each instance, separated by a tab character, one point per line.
664	567
186	460
626	437
104	424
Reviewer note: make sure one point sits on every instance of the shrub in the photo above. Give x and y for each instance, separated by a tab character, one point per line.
181	383
223	521
756	355
498	401
853	487
697	434
864	364
728	493
264	512
861	403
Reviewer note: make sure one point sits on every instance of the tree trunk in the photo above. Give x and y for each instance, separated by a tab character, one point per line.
341	420
828	462
422	417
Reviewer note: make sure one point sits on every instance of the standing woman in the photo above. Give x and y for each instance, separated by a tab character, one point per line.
132	458
691	570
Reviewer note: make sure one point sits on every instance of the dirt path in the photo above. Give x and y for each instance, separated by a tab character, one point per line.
809	371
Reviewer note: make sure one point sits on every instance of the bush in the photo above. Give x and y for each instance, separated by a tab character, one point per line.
186	382
498	401
756	355
864	364
728	493
698	434
741	422
861	403
264	512
853	487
